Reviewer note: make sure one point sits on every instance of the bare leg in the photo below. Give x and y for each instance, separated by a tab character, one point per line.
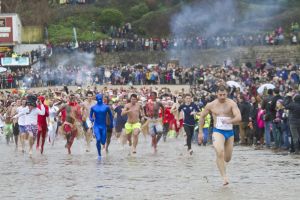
218	142
88	137
108	139
23	135
31	142
154	143
123	138
129	139
19	139
228	149
135	139
158	136
118	134
16	138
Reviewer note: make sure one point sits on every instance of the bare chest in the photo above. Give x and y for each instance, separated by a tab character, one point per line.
135	110
221	110
89	105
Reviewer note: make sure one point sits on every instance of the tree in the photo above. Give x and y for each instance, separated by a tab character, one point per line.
111	17
152	4
138	11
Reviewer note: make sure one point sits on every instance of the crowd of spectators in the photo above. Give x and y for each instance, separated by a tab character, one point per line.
163	44
141	74
270	117
33	55
73	2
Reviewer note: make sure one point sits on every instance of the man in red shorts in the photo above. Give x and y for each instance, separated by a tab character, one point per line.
71	114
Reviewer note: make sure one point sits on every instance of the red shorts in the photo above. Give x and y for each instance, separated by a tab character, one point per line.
67	128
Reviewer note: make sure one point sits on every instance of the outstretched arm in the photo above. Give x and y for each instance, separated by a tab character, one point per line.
22	113
125	111
42	110
60	109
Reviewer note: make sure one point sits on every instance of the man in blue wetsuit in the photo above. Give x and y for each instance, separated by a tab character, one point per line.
98	115
225	113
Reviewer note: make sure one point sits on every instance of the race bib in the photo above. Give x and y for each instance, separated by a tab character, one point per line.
223	126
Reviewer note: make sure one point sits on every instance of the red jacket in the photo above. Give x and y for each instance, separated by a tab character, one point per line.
10	78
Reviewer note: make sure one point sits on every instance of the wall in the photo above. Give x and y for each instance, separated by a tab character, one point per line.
280	55
32	34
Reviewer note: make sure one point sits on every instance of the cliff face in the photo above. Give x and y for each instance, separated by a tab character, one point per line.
279	54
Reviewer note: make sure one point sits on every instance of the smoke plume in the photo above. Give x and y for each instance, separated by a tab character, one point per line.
220	18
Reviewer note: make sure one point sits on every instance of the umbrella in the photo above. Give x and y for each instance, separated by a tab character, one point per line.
234	84
2	69
260	90
150	66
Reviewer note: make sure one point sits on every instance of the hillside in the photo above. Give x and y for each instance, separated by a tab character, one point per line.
148	17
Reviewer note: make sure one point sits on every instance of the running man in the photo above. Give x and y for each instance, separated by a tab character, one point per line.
155	123
21	111
109	128
120	120
8	127
15	122
178	115
87	124
71	114
225	113
190	110
133	126
52	122
31	119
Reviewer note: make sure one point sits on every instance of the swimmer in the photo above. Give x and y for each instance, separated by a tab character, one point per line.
225	113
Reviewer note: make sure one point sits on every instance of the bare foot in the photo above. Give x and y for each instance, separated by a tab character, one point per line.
225	182
30	153
134	150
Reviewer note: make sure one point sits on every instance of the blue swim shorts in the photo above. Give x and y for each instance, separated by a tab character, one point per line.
226	133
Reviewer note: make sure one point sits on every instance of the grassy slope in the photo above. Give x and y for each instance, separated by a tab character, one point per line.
156	21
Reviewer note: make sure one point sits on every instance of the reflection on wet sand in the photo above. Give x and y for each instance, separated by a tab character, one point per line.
169	174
